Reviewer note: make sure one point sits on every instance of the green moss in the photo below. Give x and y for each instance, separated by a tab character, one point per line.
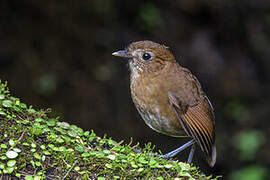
33	145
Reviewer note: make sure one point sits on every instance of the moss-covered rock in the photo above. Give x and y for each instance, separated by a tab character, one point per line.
34	145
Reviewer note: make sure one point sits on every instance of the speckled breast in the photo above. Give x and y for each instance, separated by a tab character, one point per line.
159	123
153	105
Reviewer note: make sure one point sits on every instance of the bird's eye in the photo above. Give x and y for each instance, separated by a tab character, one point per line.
146	56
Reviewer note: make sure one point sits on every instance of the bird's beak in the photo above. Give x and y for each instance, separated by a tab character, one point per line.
122	53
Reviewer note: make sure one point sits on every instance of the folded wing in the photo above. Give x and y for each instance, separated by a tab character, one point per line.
198	122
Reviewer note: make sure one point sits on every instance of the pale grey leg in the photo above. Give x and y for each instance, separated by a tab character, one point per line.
181	148
190	156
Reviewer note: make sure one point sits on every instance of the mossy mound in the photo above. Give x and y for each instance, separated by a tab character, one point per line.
36	146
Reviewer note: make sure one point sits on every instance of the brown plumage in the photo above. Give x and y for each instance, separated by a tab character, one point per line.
168	97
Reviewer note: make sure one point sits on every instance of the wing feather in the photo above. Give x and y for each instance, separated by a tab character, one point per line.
198	122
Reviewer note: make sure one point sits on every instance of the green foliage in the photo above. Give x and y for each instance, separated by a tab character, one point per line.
150	15
29	138
248	142
46	84
253	172
235	110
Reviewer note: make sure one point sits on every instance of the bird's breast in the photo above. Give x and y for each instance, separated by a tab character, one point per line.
150	97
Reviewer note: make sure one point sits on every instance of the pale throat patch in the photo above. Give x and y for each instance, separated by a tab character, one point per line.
135	69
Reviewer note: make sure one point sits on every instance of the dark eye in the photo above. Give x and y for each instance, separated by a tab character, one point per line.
146	56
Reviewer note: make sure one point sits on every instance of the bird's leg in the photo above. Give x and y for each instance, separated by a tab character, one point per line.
181	148
190	156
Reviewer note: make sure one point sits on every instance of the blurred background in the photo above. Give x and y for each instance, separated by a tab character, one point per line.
57	54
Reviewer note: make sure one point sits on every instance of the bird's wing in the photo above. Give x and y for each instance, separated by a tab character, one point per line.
198	122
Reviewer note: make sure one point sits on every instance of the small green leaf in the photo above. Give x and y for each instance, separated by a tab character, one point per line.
11	154
142	160
3	157
133	164
38	163
30	110
62	148
79	148
7	103
51	123
108	166
17	102
60	140
43	158
39	119
3	146
106	151
73	127
12	142
85	154
77	168
25	122
112	142
61	130
51	146
2	96
152	161
33	145
29	178
23	106
17	108
11	163
101	178
33	150
185	174
26	144
111	157
63	125
168	166
184	166
66	138
86	134
76	129
37	156
9	170
91	138
17	150
72	133
46	153
2	113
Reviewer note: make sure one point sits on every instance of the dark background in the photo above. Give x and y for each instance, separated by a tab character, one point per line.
57	54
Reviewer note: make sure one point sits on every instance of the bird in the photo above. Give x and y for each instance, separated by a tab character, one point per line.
169	98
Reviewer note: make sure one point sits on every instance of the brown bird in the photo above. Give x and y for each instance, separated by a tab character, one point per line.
169	98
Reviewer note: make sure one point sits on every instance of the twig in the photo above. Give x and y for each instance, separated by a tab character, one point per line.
118	144
131	140
20	138
70	169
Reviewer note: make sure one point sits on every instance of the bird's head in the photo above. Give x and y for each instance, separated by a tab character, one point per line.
146	56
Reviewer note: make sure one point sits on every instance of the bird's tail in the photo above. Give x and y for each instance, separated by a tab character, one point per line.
211	159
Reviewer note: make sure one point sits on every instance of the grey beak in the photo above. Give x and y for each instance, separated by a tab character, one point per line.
122	53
